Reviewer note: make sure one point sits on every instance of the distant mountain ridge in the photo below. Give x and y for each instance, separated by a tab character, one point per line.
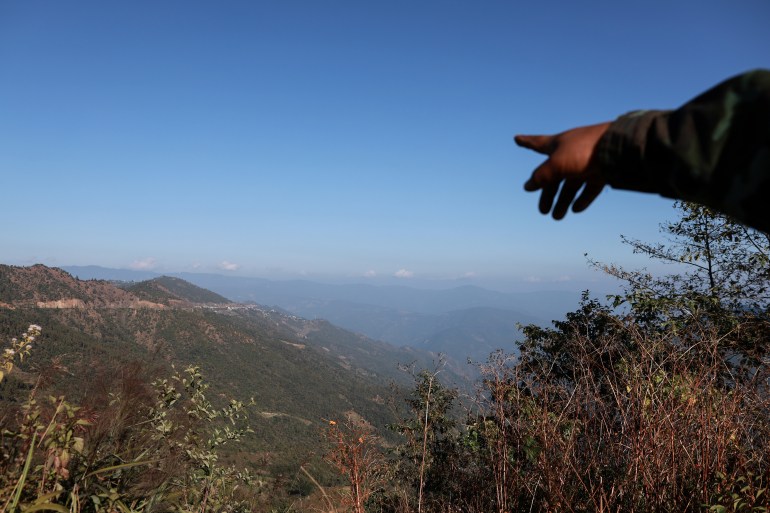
460	334
462	322
543	304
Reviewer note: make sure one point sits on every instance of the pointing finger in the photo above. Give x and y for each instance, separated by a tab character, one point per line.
539	143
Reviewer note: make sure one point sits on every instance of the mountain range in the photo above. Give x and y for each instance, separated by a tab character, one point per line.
463	323
300	372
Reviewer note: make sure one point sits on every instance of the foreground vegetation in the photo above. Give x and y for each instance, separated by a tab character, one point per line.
146	447
656	401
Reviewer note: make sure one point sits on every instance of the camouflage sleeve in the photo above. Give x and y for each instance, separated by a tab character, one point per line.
713	150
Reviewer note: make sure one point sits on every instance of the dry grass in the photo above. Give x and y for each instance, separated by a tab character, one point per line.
636	422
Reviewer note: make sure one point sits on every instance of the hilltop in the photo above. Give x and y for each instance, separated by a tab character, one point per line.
41	286
173	291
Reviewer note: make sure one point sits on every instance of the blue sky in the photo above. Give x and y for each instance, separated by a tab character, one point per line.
347	140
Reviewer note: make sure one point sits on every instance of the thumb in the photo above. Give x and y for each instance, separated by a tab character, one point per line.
539	143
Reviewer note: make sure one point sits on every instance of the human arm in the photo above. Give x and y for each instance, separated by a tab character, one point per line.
713	150
571	160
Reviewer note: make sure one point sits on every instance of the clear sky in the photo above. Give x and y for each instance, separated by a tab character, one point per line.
335	139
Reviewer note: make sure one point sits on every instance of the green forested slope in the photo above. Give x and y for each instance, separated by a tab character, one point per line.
299	372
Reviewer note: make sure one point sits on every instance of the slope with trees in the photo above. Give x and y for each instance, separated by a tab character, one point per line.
113	341
662	404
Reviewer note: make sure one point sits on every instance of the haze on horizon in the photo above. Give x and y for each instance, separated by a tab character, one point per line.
335	140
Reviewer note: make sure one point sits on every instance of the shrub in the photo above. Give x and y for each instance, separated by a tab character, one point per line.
148	447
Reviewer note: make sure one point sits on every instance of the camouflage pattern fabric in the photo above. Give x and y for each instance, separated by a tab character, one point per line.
713	150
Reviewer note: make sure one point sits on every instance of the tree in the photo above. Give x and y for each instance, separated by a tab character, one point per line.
724	283
429	455
552	350
355	453
725	261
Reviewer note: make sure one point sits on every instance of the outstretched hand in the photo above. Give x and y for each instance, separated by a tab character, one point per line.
570	160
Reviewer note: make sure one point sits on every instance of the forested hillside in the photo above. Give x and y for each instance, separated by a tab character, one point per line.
95	336
168	290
